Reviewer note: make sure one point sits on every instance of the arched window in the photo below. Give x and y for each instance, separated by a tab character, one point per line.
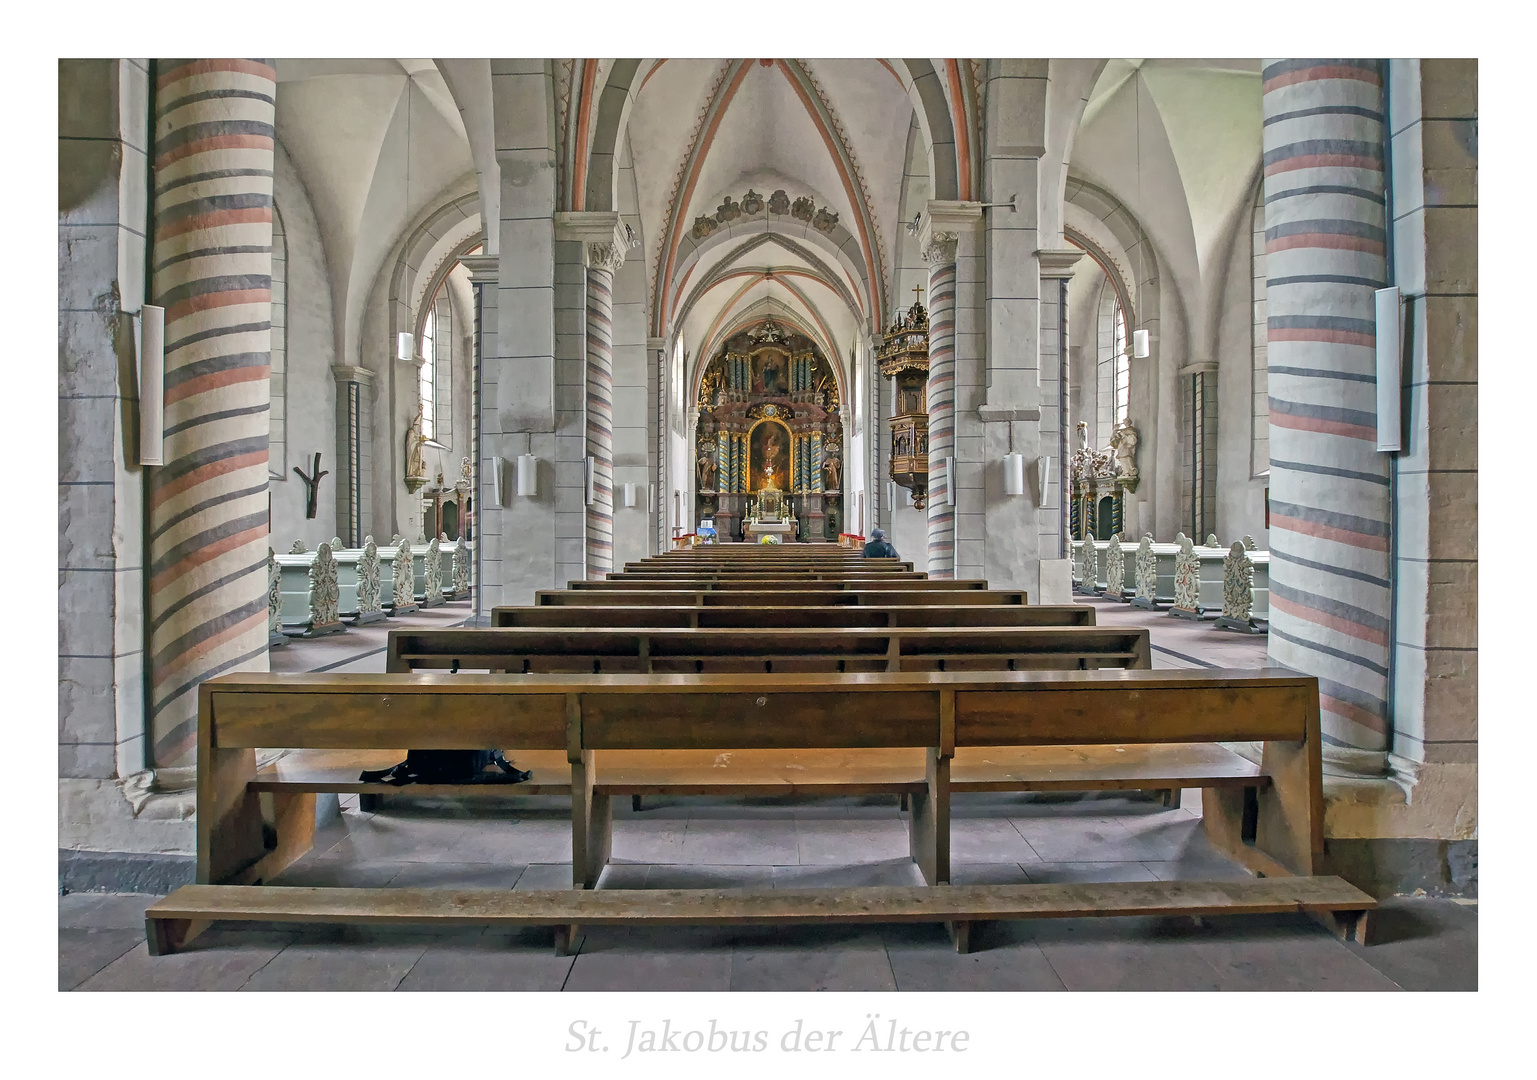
436	373
1259	441
1113	367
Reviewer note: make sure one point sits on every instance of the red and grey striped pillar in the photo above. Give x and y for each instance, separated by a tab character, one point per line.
212	272
939	252
1330	513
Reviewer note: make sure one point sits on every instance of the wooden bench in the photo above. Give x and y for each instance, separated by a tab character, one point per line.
773	598
1275	829
936	614
833	583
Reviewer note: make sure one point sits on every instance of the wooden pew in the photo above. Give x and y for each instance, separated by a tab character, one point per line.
698	583
772	598
925	615
1274	828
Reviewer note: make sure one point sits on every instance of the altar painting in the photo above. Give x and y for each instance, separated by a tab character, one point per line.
769	461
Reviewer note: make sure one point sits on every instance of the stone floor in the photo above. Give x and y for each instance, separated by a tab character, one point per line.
723	843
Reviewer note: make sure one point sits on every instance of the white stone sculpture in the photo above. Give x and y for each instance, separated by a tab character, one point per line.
274	600
1115	568
1187	580
1087	564
1238	584
370	591
1147	572
325	593
1248	542
1212	541
405	575
298	548
461	568
432	570
1123	444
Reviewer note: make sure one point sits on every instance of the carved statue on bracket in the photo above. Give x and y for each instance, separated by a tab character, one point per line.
832	471
416	464
1123	443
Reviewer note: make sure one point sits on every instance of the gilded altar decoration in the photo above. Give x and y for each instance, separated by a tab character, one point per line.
1115	568
903	355
768	422
1101	478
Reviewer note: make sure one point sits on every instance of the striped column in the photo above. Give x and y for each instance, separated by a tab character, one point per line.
1329	492
212	272
939	252
602	261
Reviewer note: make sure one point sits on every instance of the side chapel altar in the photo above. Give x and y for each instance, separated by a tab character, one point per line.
769	441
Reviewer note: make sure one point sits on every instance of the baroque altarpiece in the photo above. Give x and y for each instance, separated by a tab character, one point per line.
769	444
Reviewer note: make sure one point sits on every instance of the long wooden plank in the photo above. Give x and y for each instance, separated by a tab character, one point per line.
920	616
672	907
771	598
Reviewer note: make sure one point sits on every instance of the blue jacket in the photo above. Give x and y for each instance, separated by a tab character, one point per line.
880	549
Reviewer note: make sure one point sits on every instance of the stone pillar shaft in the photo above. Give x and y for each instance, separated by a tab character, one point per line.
212	272
941	400
1330	592
600	419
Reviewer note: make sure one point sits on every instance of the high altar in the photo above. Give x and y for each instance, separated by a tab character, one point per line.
769	441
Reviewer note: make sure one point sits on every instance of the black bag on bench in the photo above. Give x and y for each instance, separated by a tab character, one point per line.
447	767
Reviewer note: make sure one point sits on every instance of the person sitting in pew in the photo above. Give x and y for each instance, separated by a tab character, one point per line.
878	548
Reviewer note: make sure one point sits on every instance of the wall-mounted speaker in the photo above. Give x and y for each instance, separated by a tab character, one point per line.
528	475
1389	371
1013	474
152	385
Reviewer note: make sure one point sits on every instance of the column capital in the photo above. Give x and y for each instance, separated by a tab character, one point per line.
343	374
604	239
1058	262
482	268
944	221
656	344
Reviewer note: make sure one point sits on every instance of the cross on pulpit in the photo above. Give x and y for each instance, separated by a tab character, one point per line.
917	299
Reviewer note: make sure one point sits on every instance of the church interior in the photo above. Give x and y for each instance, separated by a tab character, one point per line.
555	405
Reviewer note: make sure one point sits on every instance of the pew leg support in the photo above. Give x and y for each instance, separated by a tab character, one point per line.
567	939
635	803
370	804
960	935
1171	797
1354	926
165	936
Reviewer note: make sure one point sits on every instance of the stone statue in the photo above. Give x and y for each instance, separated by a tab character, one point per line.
416	464
832	472
1123	442
706	466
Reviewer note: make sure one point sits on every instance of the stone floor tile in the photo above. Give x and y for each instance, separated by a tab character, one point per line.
1200	867
524	841
923	958
215	960
675	958
742	843
987	873
342	872
456	876
810	958
497	961
1288	962
339	965
988	840
85	951
1424	944
545	876
659	841
107	911
1086	956
1082	839
899	871
623	875
1044	872
851	841
707	877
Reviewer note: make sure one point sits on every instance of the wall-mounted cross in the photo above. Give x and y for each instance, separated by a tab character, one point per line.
311	484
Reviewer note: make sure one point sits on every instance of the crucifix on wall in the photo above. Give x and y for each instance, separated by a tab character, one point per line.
311	484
